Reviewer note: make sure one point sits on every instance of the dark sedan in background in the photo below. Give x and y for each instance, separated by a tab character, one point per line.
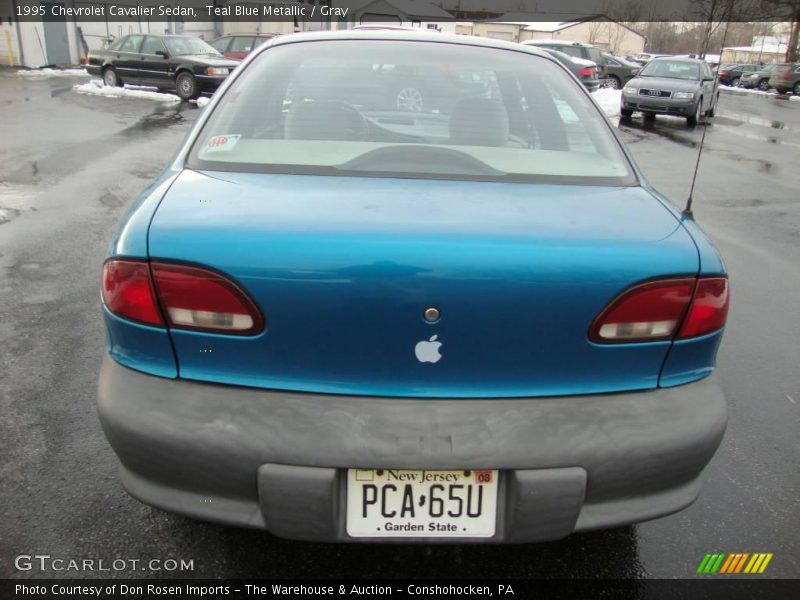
585	70
619	71
672	86
732	74
185	64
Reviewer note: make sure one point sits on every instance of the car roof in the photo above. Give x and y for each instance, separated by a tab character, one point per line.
247	35
402	35
686	59
555	43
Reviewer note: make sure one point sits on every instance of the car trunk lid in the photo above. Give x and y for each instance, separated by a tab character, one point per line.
343	269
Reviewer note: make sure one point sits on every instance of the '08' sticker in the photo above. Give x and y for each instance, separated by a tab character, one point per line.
222	143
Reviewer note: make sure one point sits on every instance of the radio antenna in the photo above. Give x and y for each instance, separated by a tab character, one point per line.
687	212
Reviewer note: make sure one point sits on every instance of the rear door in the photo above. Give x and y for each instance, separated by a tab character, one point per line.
127	59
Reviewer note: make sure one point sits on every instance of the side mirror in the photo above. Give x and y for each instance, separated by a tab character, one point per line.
162	53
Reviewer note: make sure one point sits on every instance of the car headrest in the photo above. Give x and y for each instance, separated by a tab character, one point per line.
317	120
479	122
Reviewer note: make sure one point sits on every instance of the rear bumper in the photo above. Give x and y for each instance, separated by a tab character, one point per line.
275	460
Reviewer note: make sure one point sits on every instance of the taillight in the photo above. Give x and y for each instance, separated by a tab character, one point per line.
128	291
195	298
723	72
586	71
787	75
191	297
709	308
657	310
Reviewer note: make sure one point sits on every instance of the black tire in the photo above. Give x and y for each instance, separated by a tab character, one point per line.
713	110
614	83
186	86
796	88
110	77
626	112
693	120
735	82
763	85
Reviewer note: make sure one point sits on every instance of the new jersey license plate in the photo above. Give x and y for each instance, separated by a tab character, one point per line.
411	503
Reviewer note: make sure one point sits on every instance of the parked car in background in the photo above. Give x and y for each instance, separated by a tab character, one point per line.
646	57
757	79
619	70
349	324
672	86
786	78
239	45
575	49
168	62
585	70
731	74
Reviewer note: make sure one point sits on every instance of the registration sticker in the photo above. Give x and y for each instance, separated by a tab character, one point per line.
222	143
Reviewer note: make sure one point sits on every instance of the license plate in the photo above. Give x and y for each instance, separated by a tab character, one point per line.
412	503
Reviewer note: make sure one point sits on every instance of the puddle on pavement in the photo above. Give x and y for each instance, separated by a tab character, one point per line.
740	118
163	116
667	129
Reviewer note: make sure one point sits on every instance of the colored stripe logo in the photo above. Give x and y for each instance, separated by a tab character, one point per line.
736	562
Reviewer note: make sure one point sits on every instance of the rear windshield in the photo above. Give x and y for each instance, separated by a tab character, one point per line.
783	68
410	109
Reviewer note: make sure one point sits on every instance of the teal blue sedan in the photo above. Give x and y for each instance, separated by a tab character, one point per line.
339	317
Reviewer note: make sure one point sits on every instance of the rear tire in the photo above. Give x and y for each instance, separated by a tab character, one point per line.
735	82
763	85
614	82
796	88
110	78
186	86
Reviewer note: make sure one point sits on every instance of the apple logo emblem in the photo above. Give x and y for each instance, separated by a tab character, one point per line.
428	351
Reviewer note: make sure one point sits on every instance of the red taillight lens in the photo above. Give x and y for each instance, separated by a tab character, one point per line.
654	311
787	75
195	298
128	291
709	308
723	72
586	71
646	312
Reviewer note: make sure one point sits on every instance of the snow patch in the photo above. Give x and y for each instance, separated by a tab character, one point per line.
201	101
41	73
96	88
609	100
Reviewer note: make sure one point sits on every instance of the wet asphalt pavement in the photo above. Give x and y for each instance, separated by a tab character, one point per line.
70	163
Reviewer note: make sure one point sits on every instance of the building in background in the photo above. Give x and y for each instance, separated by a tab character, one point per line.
598	30
763	50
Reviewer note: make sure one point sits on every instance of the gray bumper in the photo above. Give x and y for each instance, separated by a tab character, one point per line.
275	460
660	105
